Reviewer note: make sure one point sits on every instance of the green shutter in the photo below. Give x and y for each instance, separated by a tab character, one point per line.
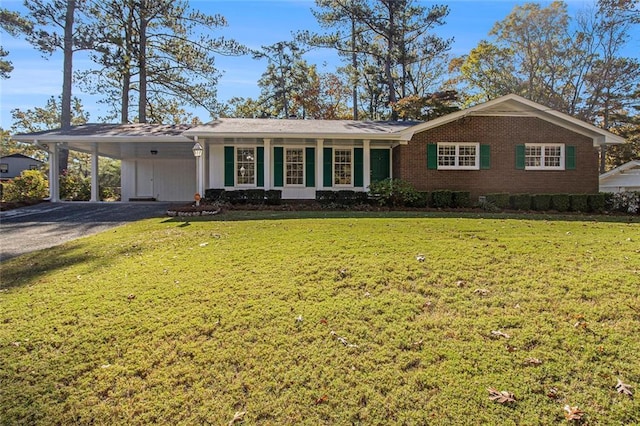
278	166
432	156
260	166
485	157
327	167
520	157
570	158
358	167
229	166
310	167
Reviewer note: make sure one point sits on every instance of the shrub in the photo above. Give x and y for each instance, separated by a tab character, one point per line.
394	192
578	202
254	196
541	202
520	201
627	202
74	186
273	197
500	200
560	202
442	199
421	201
596	202
212	195
461	199
30	185
325	197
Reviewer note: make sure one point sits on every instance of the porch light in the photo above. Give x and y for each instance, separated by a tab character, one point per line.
242	171
197	150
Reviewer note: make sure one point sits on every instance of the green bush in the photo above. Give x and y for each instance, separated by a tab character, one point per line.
442	199
393	193
500	200
541	202
578	202
596	202
560	202
74	186
213	195
273	197
421	201
461	199
30	185
608	201
325	197
520	201
254	196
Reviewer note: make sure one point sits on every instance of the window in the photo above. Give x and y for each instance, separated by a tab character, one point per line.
544	156
342	167
245	166
463	156
294	160
4	168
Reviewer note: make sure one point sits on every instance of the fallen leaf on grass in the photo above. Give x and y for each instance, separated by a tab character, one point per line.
510	348
237	417
532	361
573	413
498	333
420	258
204	244
553	393
503	397
322	399
131	296
481	291
343	340
623	388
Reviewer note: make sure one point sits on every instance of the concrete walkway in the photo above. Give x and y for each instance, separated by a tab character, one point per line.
46	225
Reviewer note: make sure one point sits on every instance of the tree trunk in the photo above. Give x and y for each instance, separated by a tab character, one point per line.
67	80
388	59
354	63
142	105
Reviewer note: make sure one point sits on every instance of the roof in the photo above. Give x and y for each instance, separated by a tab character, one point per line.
109	132
621	169
517	106
18	155
294	128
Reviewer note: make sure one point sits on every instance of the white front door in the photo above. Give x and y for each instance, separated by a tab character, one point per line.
144	178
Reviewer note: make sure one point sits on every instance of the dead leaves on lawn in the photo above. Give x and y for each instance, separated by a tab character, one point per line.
573	413
237	417
624	388
503	397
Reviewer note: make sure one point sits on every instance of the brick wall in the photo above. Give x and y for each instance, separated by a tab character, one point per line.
502	134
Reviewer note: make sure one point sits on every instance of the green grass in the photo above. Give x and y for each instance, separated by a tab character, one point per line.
173	322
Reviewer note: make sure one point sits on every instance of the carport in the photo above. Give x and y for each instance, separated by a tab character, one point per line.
157	162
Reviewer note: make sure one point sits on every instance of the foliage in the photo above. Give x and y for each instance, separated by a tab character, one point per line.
46	118
74	187
520	201
460	199
30	185
579	202
433	105
442	199
161	51
627	202
161	322
560	202
14	24
499	200
394	192
9	146
596	202
541	202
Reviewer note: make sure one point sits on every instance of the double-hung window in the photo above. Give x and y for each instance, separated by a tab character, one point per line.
538	156
294	163
245	166
342	167
462	156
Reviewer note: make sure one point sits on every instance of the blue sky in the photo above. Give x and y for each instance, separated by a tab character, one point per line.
251	22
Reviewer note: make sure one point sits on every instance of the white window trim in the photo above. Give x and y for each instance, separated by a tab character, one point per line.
333	168
457	157
255	167
304	168
542	146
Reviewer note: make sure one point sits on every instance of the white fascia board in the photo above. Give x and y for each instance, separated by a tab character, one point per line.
212	136
98	139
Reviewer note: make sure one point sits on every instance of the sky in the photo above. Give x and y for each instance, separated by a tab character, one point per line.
253	23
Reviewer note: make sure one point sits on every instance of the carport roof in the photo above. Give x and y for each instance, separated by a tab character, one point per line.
104	132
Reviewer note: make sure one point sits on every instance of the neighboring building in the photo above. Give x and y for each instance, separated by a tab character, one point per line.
624	178
12	165
509	144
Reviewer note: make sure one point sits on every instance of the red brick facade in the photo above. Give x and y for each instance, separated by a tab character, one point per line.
502	134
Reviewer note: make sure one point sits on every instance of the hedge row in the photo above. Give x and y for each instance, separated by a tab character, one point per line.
541	202
244	196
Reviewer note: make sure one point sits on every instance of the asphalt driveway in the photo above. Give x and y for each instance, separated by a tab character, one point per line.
46	225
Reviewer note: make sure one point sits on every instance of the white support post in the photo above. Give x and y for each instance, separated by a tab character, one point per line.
95	190
54	176
319	164
366	163
267	164
201	177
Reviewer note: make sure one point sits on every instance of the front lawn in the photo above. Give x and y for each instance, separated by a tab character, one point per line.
353	320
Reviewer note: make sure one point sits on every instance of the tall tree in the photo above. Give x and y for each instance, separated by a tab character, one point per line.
14	24
161	50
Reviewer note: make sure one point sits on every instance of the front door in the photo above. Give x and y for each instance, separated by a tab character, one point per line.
144	178
380	165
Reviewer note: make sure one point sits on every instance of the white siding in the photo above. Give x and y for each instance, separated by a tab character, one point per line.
163	179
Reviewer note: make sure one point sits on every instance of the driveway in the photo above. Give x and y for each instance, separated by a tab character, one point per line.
46	225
